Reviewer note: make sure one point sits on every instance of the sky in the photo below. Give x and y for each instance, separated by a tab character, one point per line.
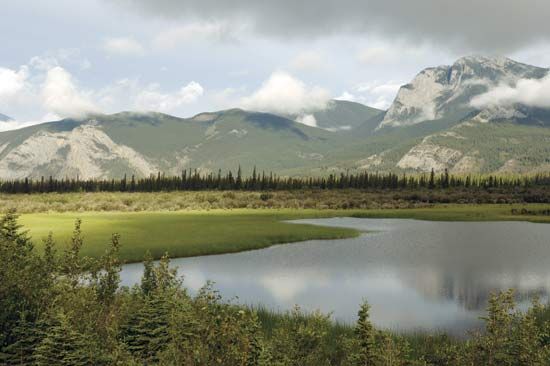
66	58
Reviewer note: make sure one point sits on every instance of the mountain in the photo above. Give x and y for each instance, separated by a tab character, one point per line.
4	118
143	144
444	93
432	124
341	115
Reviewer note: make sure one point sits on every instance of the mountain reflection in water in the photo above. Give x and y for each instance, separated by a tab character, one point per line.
415	274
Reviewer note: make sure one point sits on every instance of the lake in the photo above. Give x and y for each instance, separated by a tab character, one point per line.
417	275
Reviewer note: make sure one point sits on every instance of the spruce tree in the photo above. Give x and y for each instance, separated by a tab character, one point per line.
366	336
109	276
27	336
431	182
148	280
62	345
146	333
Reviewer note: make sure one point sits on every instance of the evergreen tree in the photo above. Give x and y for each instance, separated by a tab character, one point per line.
431	182
148	280
109	276
239	179
146	333
62	345
27	336
366	336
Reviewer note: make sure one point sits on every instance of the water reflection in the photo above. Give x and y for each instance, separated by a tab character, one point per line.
415	274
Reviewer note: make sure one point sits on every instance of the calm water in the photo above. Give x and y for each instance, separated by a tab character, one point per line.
415	274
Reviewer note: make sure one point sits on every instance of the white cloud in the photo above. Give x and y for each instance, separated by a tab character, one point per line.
204	31
308	60
282	93
61	96
374	94
14	124
307	119
60	57
226	98
153	99
123	46
530	92
12	82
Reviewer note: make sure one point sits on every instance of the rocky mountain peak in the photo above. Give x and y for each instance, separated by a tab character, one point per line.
445	91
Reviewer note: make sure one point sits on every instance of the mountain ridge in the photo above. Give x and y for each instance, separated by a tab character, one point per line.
346	136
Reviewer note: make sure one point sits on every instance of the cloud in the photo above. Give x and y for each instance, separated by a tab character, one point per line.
193	32
123	46
374	94
60	57
529	92
307	61
15	124
61	96
282	93
152	99
307	119
12	82
488	25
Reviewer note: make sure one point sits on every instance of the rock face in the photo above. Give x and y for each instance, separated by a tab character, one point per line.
85	151
445	92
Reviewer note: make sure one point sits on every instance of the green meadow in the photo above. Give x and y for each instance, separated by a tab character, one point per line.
180	234
194	233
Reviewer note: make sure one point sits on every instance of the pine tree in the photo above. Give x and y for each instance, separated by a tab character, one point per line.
239	179
366	336
148	280
50	260
72	263
431	182
109	277
27	336
62	345
146	333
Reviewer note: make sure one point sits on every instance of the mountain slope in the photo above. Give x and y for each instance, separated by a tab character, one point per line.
143	144
342	115
445	92
430	125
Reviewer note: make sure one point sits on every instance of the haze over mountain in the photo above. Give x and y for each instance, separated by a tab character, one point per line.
448	117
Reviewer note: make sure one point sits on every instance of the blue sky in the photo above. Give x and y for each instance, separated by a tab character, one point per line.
64	58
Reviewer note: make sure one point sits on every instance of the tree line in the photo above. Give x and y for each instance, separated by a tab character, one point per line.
193	180
60	308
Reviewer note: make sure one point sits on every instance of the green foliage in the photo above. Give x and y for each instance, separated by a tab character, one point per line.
61	344
365	334
52	314
301	340
23	281
108	277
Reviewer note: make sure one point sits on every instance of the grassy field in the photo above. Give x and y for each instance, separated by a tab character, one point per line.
181	234
192	233
502	212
